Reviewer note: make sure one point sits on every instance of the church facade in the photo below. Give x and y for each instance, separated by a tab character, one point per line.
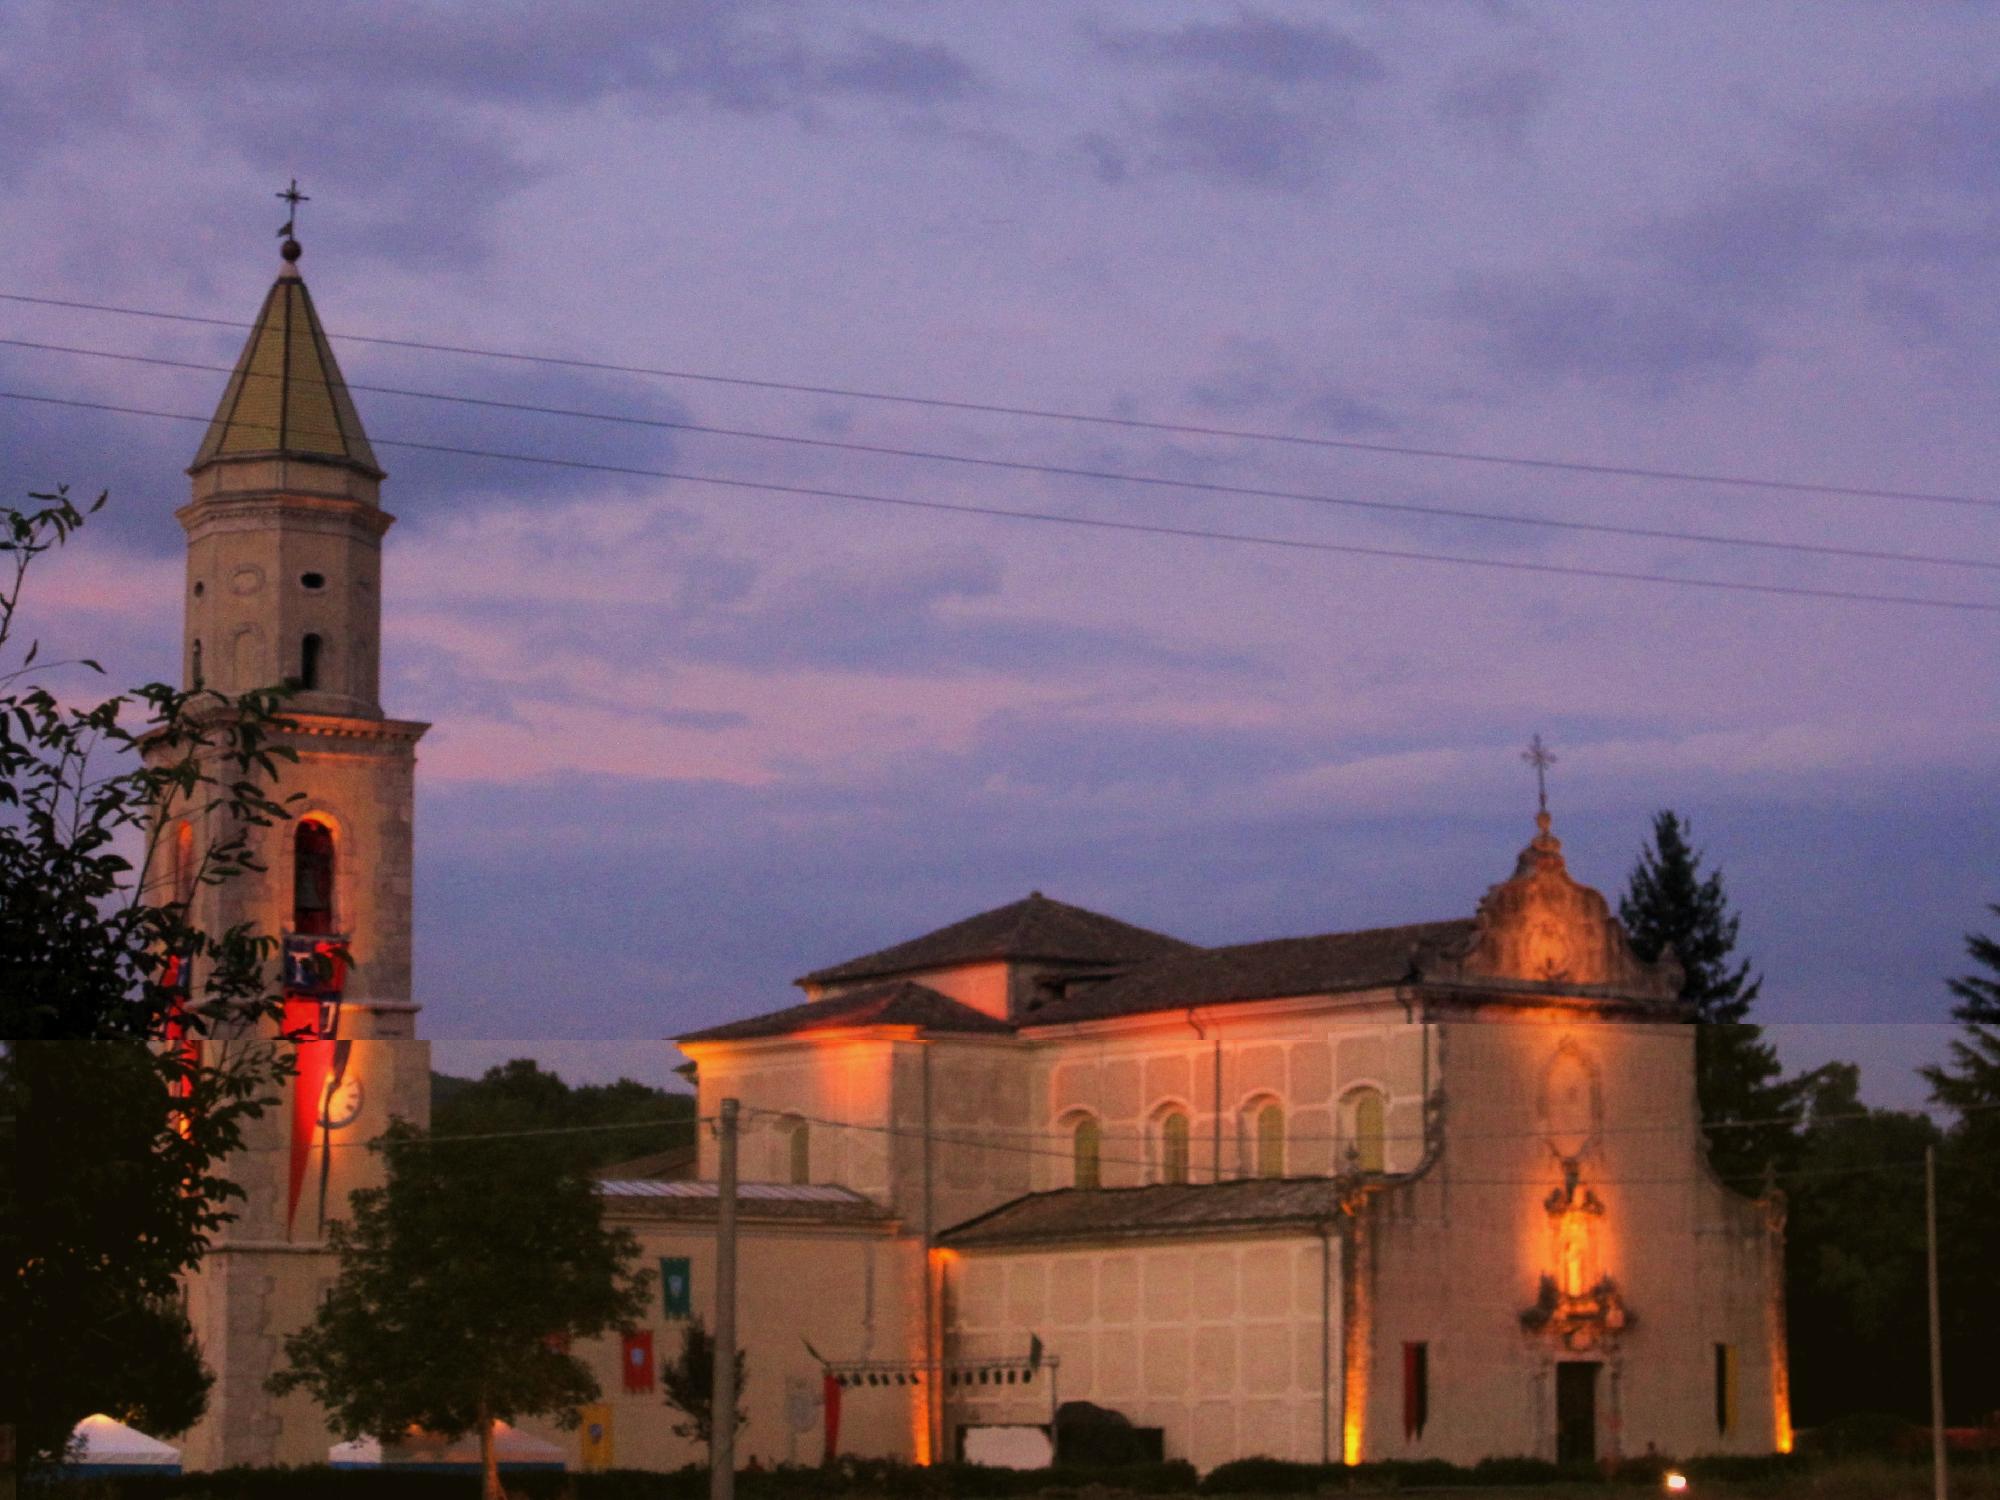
1435	1191
1429	1191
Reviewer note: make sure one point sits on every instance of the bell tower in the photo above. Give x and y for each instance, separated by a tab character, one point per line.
283	589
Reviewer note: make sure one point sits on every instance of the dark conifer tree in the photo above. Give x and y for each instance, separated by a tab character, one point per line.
1671	904
1969	1186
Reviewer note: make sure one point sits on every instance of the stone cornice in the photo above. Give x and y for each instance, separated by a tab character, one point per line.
255	509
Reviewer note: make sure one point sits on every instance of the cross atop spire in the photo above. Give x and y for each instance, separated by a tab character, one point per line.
1541	758
288	230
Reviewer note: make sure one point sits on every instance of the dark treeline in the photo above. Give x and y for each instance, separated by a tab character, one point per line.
640	1121
1852	1176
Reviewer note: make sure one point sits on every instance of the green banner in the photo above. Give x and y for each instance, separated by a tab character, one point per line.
676	1287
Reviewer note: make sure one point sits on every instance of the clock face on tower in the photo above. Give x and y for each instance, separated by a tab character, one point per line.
341	1103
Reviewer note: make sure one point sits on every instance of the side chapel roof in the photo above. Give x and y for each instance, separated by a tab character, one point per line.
898	1004
286	397
1033	928
1073	1214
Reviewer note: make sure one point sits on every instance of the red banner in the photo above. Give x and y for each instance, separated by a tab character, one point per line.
312	1024
638	1360
829	1386
1416	1390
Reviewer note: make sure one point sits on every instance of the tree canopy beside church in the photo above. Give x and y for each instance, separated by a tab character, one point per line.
1671	904
613	1122
1968	1085
463	1280
121	1191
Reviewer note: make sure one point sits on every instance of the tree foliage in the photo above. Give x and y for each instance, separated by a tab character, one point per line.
687	1384
614	1122
462	1280
1671	905
1854	1255
1969	1182
113	1137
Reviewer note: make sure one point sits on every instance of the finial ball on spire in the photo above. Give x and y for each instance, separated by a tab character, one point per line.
287	231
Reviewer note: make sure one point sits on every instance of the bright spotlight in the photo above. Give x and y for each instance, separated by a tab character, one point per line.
1676	1482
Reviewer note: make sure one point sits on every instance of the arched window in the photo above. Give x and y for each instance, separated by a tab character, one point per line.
312	877
1172	1146
309	653
1367	1131
1264	1139
799	1144
1087	1153
194	673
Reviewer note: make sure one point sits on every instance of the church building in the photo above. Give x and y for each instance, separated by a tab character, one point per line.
284	584
1427	1191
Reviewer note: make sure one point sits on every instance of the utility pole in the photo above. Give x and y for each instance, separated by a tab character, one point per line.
722	1444
1937	1350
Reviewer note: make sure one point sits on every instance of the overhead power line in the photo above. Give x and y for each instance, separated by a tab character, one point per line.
1142	528
1121	476
1101	419
916	1132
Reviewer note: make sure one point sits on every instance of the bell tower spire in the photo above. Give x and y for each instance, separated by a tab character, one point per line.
284	590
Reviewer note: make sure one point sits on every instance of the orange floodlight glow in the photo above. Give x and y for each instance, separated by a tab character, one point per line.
1675	1481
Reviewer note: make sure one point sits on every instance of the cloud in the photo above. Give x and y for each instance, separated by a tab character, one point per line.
891	68
1252	47
1260	376
1235	136
1255	102
1504	102
1643	336
1860	210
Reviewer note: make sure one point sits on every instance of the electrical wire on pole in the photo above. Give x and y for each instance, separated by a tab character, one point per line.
722	1412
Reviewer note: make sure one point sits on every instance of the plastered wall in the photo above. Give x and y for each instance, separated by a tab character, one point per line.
1228	1344
852	1293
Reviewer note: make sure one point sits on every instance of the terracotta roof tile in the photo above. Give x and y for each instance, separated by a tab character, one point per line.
1330	963
1073	1214
899	1004
1034	928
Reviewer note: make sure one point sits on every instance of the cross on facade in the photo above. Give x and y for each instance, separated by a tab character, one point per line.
293	198
1537	755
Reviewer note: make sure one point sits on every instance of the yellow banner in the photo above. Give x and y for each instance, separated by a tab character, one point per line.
596	1434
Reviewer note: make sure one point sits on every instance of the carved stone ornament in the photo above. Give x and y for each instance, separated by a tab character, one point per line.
1541	927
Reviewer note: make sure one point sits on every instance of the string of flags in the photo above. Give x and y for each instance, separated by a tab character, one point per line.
998	1370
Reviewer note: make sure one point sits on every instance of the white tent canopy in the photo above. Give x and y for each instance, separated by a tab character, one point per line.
423	1450
106	1443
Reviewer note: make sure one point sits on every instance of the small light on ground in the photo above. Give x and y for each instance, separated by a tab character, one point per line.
1677	1482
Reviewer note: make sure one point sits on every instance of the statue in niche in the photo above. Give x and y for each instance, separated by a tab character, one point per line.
1577	1303
1574	1215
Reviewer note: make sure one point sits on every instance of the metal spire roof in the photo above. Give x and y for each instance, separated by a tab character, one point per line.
286	397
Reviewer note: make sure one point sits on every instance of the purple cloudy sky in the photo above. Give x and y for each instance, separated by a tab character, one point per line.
692	741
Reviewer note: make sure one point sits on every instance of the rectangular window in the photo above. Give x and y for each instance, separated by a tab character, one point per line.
1725	1388
1416	1390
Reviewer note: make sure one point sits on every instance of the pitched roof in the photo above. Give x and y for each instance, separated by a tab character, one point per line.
898	1004
821	1202
1071	1214
1034	928
286	396
1330	963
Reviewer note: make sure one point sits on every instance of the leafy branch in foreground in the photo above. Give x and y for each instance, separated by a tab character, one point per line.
117	1116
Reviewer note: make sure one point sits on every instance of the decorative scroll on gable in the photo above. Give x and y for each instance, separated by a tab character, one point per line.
1541	927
